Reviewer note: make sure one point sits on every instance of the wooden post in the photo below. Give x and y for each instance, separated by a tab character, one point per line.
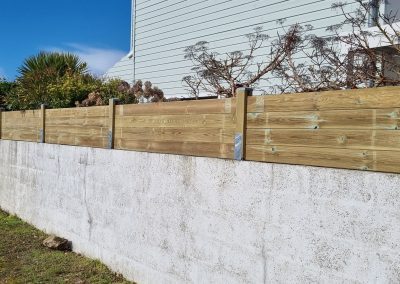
42	132
1	121
241	120
111	128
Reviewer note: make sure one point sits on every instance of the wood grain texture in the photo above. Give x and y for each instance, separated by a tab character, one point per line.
214	135
388	119
352	129
77	140
225	121
21	114
96	111
21	125
198	128
384	161
387	97
23	134
78	126
184	107
77	130
388	140
201	149
94	121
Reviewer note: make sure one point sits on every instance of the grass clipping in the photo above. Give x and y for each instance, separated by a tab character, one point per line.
23	259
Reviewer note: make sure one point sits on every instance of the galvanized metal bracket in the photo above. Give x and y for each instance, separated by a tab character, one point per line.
110	139
41	136
238	146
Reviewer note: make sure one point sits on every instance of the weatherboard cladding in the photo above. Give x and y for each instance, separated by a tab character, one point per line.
165	27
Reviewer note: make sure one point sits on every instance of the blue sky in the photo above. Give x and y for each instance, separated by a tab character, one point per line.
97	30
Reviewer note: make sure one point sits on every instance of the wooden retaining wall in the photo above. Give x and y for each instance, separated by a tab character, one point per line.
352	129
356	129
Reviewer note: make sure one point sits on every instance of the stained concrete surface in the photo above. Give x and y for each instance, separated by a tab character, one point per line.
174	219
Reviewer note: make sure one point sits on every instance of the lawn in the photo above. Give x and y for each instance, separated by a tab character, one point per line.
23	259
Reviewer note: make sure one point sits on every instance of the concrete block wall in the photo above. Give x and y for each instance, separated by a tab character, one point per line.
173	219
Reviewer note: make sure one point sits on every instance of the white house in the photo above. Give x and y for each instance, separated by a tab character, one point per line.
161	29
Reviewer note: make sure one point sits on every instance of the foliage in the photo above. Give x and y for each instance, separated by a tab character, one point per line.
52	78
57	93
105	90
61	80
124	93
149	93
52	64
5	89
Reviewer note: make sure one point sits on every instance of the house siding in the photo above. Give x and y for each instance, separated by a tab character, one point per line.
164	28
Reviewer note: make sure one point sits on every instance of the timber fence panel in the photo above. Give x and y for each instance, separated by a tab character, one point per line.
352	129
196	128
21	125
86	126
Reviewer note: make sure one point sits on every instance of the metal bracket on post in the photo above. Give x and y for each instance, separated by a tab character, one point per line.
110	143
111	130
43	123
241	120
238	146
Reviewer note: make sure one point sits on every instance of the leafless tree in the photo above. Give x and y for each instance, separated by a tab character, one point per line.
314	64
353	55
375	50
222	74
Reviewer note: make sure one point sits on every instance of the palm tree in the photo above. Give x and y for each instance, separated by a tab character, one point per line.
52	64
39	72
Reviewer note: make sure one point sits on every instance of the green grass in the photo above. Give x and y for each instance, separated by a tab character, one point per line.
23	259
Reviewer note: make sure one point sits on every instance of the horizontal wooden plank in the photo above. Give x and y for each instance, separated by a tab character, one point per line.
78	121
20	135
77	140
21	114
215	150
183	107
176	134
22	123
327	138
338	119
78	112
77	130
177	121
385	161
386	97
28	128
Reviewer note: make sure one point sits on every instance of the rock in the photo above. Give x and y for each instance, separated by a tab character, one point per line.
56	243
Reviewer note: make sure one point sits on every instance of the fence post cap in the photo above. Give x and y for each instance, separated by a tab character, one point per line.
246	90
113	100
